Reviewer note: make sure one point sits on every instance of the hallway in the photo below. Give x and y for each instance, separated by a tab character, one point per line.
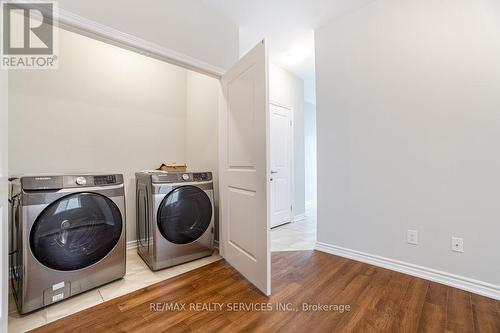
295	236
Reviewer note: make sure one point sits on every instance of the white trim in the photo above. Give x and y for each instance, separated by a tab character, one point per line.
456	281
222	106
4	205
311	204
299	217
132	244
72	22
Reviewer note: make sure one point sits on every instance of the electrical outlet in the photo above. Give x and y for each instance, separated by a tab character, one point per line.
457	244
412	237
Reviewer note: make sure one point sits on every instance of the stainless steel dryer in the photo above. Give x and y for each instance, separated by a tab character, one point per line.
67	236
175	217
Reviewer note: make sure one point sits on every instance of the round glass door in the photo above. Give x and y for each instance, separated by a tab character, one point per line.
184	215
76	231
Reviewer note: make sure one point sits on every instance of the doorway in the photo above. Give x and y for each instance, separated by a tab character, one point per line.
293	141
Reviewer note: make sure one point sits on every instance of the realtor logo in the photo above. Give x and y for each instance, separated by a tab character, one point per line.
28	35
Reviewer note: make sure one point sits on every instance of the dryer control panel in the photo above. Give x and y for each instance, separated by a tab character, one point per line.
181	177
105	180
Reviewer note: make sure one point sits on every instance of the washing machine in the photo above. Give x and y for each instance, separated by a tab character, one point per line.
67	236
175	217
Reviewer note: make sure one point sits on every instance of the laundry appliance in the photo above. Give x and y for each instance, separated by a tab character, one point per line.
67	235
175	217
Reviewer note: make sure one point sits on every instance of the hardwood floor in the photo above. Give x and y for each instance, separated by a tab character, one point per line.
380	300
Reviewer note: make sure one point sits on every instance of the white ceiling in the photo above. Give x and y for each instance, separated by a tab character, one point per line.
288	26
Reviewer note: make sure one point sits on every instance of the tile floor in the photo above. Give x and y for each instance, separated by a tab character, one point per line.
138	276
300	235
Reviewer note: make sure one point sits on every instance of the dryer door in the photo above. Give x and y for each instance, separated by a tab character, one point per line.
76	231
184	215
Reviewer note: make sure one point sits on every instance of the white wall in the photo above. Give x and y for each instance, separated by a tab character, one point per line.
310	91
287	89
104	110
202	108
185	26
310	153
408	129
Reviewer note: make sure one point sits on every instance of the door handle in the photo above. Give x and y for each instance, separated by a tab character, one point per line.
273	172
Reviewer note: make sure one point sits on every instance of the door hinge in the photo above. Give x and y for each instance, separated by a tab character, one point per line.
291	208
290	123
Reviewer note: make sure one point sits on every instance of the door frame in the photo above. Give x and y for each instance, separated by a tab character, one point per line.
85	27
292	156
4	205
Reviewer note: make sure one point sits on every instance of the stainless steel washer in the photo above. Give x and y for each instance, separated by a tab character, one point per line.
67	236
175	217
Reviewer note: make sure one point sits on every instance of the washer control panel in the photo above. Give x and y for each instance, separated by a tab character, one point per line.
95	180
69	181
202	176
181	177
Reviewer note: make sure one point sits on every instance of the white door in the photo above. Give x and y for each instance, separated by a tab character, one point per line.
244	176
281	129
3	202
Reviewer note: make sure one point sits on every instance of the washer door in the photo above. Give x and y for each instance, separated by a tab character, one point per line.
76	231
184	215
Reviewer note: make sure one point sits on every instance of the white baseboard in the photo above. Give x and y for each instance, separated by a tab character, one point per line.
299	217
456	281
132	244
